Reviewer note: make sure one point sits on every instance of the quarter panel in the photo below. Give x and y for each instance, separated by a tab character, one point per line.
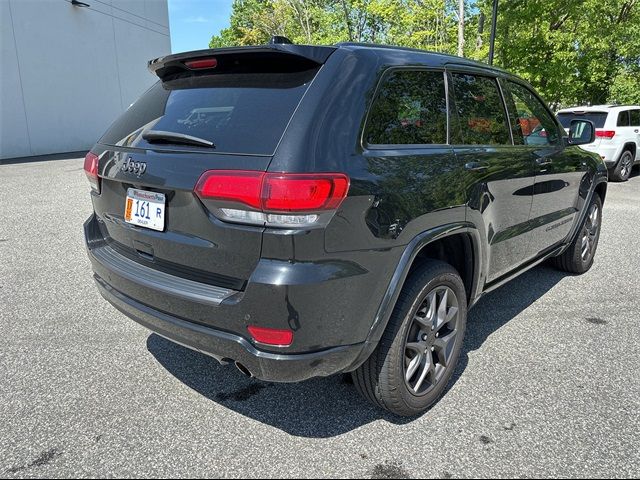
395	196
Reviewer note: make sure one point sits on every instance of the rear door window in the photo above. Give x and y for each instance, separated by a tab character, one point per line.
410	108
531	123
240	113
480	110
598	118
635	118
623	119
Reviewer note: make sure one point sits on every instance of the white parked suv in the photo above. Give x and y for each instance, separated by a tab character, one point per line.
617	135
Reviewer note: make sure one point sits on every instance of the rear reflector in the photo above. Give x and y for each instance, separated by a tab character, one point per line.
275	192
605	133
201	63
271	336
91	170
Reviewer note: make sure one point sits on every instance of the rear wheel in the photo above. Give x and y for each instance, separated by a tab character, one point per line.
414	361
623	168
578	258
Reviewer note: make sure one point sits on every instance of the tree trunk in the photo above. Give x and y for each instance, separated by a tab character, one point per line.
480	31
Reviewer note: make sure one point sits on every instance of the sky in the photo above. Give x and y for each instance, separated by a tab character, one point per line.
193	22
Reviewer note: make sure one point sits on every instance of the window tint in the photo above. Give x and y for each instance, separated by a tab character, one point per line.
623	119
410	109
239	113
480	110
530	121
598	118
635	118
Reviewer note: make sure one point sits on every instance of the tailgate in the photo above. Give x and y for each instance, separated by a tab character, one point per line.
237	105
193	244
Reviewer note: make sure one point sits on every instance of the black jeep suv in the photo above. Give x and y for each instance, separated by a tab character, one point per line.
301	211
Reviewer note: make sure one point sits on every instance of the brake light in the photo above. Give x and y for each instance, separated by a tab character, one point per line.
296	193
91	170
605	133
271	336
201	63
277	199
234	186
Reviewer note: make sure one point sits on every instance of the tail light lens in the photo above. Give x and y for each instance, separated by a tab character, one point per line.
274	199
299	193
241	186
91	170
605	134
202	63
271	336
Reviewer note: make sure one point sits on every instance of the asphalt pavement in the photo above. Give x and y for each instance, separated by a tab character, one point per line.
548	383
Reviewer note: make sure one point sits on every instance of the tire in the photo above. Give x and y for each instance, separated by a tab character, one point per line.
575	259
408	340
622	170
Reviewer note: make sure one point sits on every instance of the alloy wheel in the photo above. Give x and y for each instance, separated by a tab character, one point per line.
590	232
430	340
625	167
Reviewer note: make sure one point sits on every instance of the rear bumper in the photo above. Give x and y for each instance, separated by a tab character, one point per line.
226	347
609	153
214	320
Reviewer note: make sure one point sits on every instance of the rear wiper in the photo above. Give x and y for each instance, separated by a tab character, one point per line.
158	136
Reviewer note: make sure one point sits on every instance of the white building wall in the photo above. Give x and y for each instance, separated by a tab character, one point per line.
67	72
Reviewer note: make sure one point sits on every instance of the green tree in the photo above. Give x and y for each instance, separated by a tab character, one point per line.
572	51
428	24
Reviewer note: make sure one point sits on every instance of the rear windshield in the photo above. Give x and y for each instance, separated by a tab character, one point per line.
240	113
598	118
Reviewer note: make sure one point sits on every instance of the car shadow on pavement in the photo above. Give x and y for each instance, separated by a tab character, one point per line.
327	407
498	307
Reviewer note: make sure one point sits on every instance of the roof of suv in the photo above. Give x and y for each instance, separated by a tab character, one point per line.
437	58
598	108
319	54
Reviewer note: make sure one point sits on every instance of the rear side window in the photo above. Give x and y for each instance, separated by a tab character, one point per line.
480	110
410	109
240	113
623	119
531	123
598	118
635	118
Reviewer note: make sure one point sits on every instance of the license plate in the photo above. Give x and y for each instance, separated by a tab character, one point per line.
145	209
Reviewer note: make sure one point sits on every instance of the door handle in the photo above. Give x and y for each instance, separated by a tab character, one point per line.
475	167
544	161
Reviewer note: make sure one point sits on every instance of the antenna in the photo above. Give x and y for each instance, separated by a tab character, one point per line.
277	39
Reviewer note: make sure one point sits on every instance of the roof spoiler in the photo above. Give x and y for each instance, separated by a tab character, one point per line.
170	64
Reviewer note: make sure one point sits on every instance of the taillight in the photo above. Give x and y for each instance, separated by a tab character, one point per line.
241	186
605	133
271	336
301	192
91	170
274	199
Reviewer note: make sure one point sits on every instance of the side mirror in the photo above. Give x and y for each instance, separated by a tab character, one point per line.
581	132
